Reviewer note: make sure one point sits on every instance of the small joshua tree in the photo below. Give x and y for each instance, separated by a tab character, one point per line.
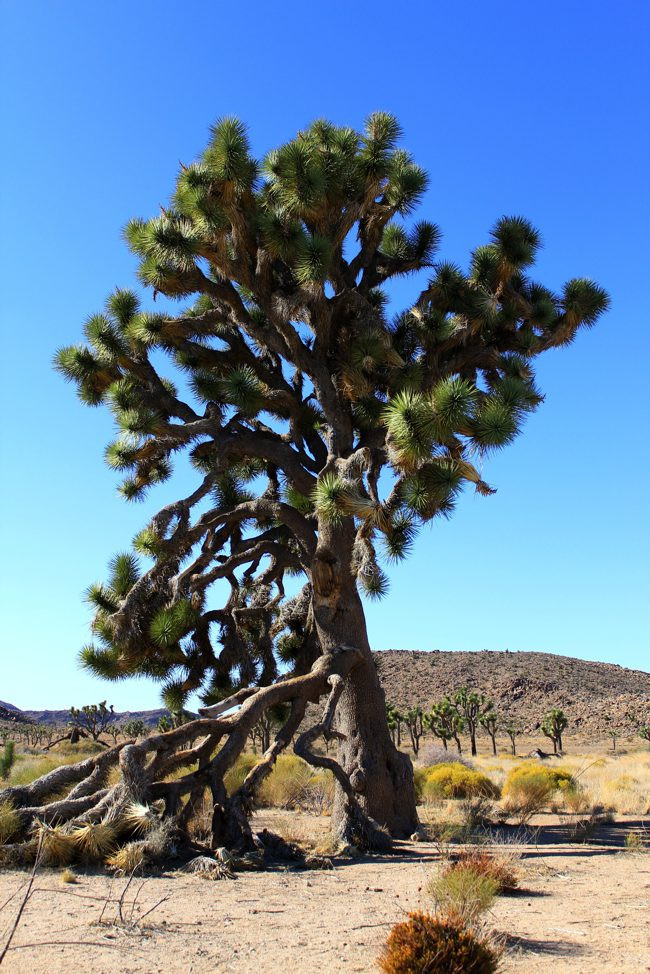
491	724
7	758
446	723
472	706
513	731
93	719
413	718
553	725
644	732
395	719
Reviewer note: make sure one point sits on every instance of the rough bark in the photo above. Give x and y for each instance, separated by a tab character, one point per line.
380	775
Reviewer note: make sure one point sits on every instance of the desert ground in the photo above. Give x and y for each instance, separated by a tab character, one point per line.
581	908
582	904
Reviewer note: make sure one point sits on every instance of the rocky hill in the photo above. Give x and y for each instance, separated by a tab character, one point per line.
522	685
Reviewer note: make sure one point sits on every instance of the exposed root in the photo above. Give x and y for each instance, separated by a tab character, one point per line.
142	820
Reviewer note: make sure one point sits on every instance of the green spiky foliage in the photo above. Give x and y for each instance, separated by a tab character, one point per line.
445	722
7	759
475	709
301	402
553	726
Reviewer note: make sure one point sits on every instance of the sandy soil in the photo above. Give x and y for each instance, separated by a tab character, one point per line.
584	909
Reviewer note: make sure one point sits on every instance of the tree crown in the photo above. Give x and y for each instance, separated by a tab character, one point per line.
301	402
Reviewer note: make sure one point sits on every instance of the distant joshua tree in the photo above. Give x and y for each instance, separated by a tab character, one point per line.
92	720
135	728
413	718
446	723
473	707
553	725
490	721
513	730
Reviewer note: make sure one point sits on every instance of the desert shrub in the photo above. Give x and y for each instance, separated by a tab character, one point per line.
528	797
437	945
455	780
7	759
9	822
463	891
557	778
496	867
529	787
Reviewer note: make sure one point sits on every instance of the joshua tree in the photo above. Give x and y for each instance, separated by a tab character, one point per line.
553	725
92	720
323	432
135	728
474	708
513	731
446	723
644	732
413	718
7	757
491	724
395	719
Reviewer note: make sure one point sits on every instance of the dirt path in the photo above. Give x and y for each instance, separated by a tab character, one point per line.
587	911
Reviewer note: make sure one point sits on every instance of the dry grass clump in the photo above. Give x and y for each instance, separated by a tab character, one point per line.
67	876
437	945
453	780
496	867
128	859
57	846
95	841
9	822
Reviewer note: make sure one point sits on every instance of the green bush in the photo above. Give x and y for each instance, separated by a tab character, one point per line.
454	780
436	945
464	890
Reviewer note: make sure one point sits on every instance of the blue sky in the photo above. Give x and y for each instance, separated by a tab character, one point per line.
533	109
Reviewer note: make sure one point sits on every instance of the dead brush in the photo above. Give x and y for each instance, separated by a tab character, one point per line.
95	841
57	846
496	867
440	944
207	867
128	859
140	819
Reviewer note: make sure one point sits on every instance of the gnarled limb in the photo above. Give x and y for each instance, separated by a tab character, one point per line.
146	766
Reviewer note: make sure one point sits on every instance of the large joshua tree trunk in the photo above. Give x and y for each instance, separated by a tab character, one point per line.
380	775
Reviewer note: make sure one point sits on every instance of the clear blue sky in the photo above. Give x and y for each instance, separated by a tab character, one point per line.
537	109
